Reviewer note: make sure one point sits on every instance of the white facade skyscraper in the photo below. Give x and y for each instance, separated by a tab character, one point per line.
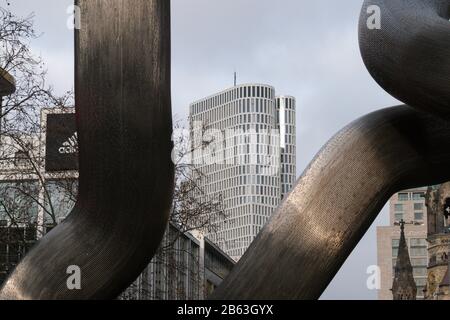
244	142
285	106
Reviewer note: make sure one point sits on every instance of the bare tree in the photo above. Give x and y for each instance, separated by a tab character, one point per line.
20	111
192	208
23	189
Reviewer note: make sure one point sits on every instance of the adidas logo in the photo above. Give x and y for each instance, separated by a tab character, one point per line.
70	146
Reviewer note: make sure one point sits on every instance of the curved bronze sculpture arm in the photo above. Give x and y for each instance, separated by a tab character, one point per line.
338	197
126	172
336	200
410	56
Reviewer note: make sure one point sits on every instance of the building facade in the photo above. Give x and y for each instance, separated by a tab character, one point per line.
244	146
188	266
408	205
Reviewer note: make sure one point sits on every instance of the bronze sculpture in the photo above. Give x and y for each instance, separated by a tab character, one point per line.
126	174
301	249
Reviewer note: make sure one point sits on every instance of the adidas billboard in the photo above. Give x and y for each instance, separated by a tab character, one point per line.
61	142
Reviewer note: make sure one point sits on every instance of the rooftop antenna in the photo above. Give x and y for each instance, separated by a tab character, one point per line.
235	78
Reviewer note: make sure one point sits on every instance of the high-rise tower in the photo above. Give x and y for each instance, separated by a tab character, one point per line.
249	159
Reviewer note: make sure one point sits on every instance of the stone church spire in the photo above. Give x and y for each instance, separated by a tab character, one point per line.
404	286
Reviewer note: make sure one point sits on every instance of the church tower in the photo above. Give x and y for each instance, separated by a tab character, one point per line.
444	287
438	205
404	286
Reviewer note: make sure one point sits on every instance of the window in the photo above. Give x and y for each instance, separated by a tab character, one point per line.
418	206
398	216
418	196
394	252
418	242
403	197
420	282
420	271
418	216
415	251
399	207
62	196
395	245
419	262
21	158
20	197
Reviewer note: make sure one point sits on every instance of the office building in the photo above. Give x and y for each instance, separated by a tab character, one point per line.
244	146
187	266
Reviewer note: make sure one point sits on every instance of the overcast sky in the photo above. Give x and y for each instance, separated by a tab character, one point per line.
307	49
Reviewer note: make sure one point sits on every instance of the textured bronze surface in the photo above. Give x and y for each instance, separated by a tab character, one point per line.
126	172
343	190
410	56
